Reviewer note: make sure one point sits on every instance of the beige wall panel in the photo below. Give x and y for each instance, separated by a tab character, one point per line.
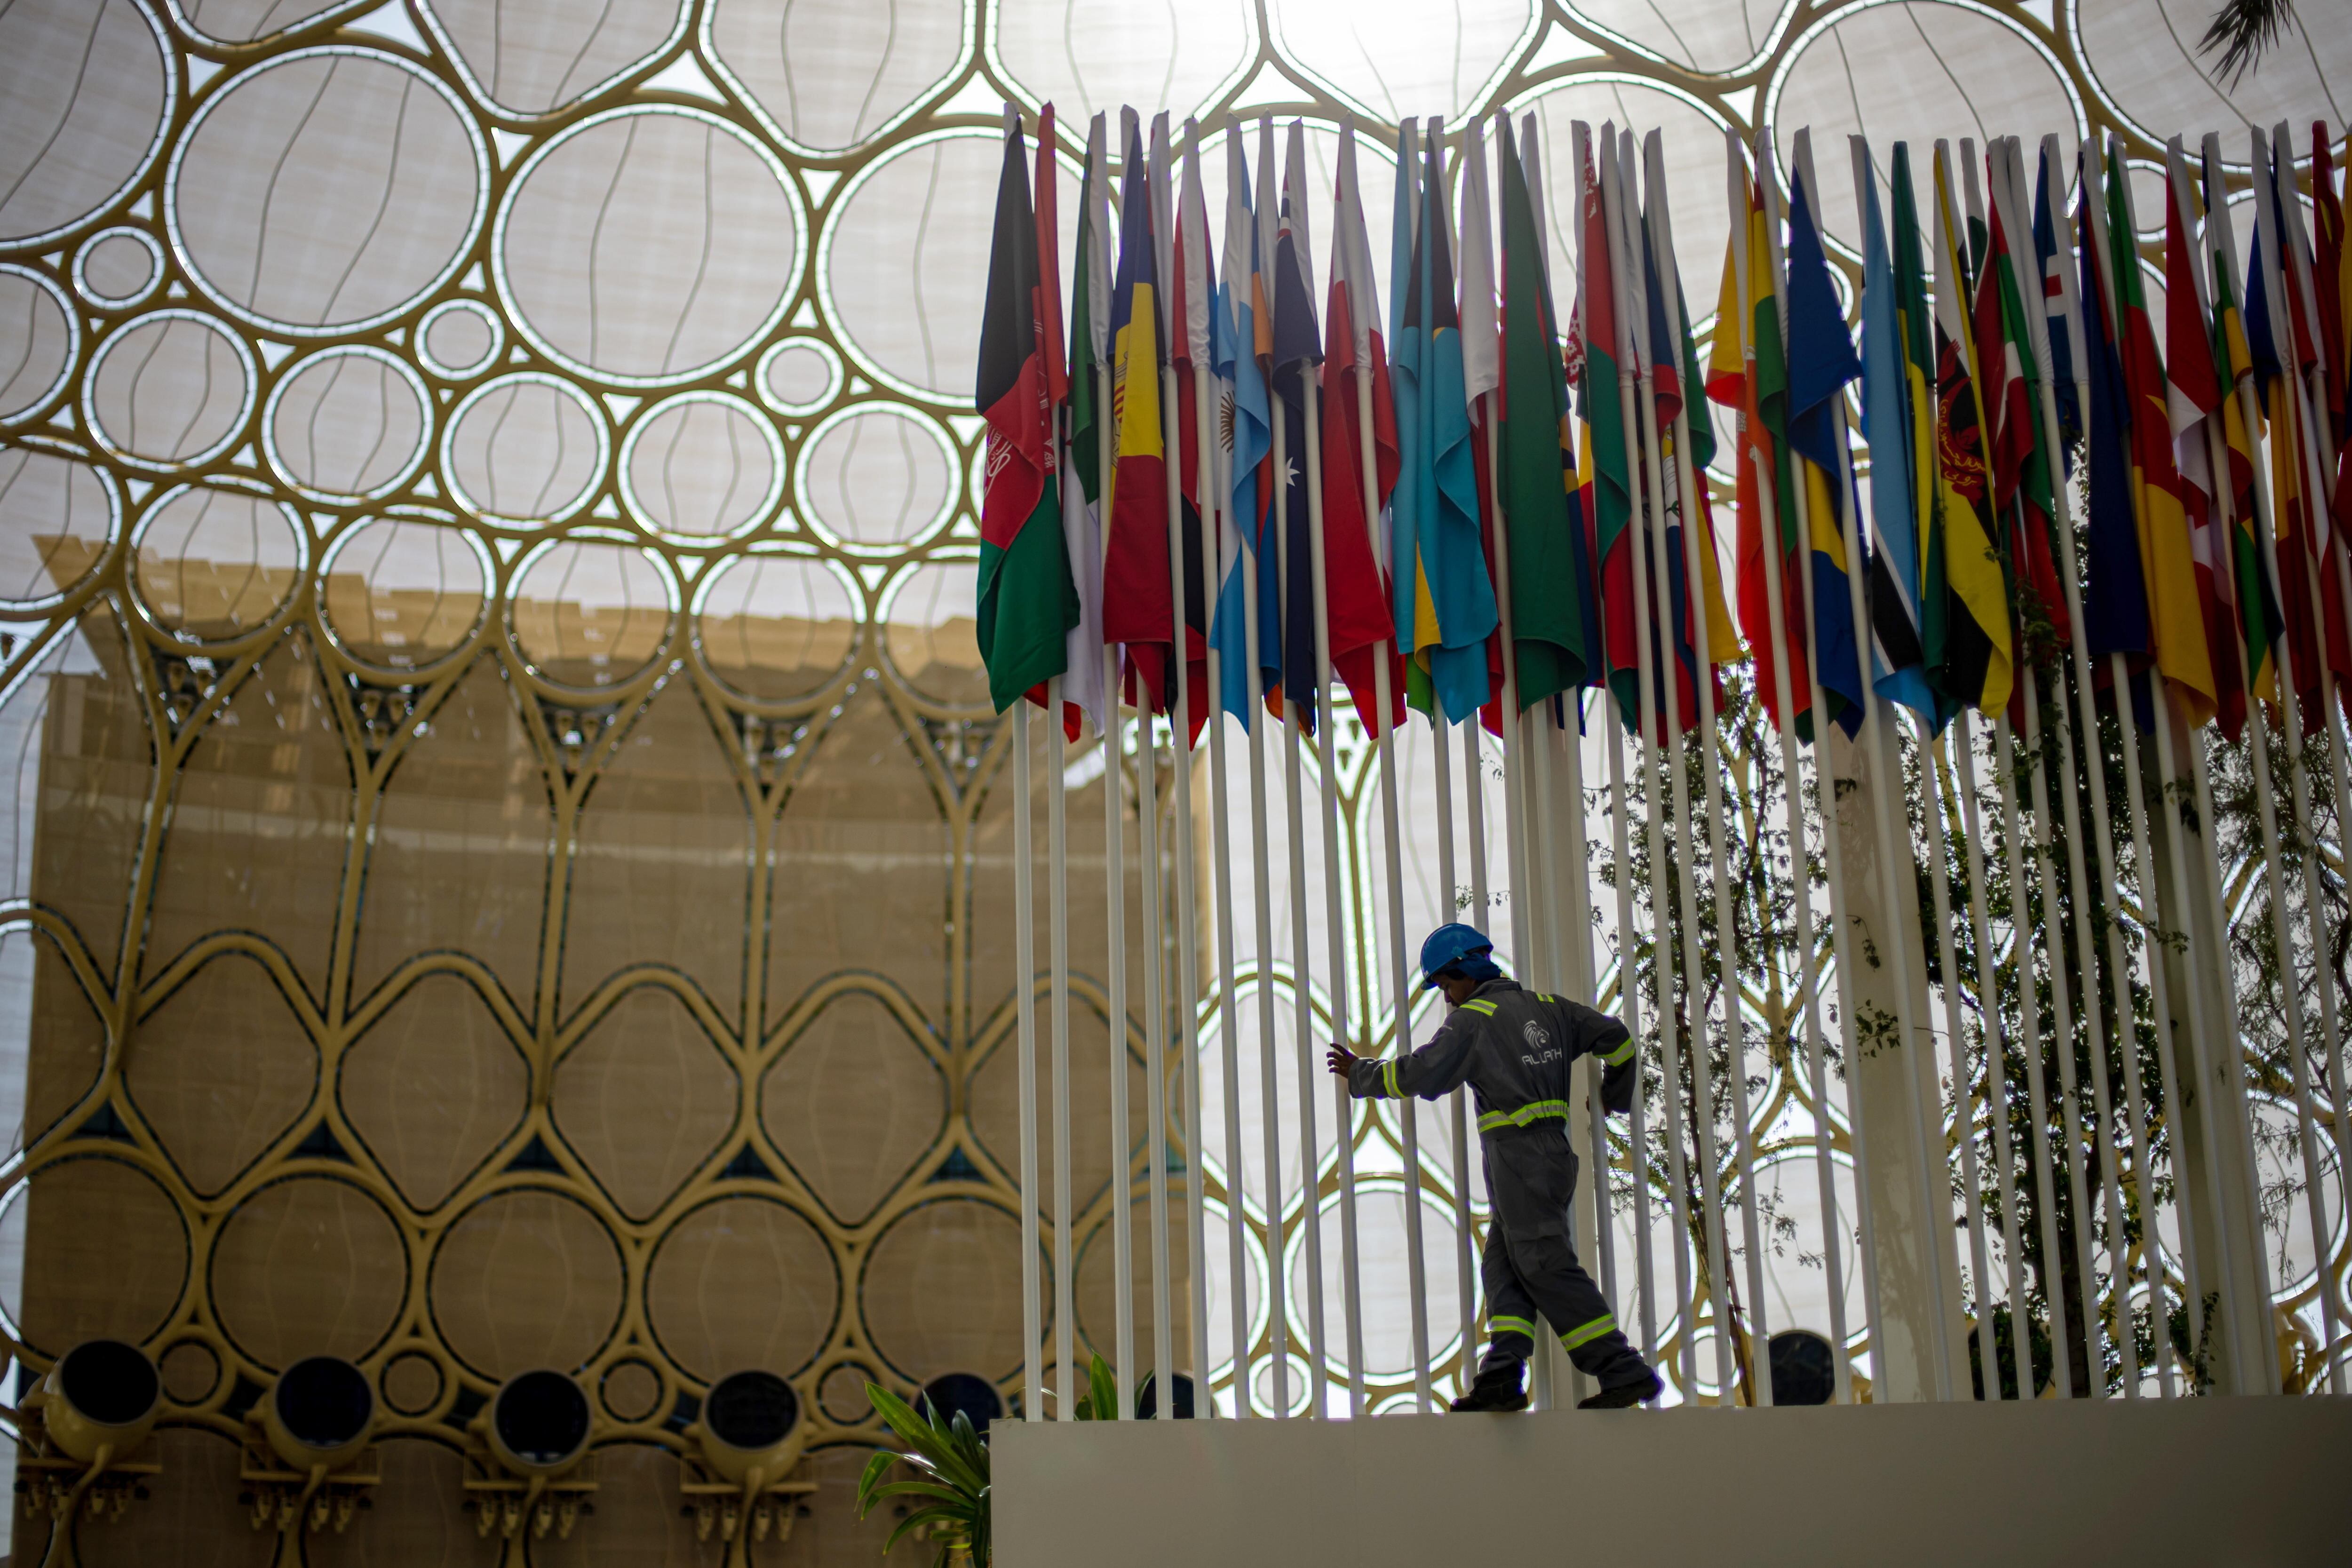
30	1546
418	1520
854	1103
309	1267
941	660
433	1087
190	1518
526	1277
105	1254
636	1524
190	1370
72	1038
630	1390
661	864
1097	1279
97	773
743	1282
942	1291
832	1533
410	1382
259	820
996	1106
221	1069
841	1392
460	857
645	1098
861	865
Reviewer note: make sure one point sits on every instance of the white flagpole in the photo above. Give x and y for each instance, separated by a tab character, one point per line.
1302	979
1025	948
1147	825
1221	870
1886	808
1270	1120
1193	227
1688	496
2065	980
1808	959
2020	946
1994	1030
1582	977
2308	421
2103	843
1115	877
1832	854
1368	477
1611	172
2154	954
1408	1123
1475	314
2312	405
1033	1326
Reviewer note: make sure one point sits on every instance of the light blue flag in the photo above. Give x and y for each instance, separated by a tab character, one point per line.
1897	663
1247	437
1454	597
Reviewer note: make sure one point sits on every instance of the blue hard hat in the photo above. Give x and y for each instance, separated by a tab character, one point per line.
1448	945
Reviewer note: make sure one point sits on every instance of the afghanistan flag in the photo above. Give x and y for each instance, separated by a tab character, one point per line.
1026	601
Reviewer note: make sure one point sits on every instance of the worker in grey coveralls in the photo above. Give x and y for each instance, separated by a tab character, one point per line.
1513	1047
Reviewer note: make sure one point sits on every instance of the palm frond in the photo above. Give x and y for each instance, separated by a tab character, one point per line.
950	1471
2243	30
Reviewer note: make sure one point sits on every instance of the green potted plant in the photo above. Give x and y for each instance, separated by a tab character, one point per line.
950	1476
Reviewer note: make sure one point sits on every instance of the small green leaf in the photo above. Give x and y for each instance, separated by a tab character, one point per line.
1104	1389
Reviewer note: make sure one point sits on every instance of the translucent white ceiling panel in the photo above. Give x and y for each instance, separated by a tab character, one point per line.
328	189
1701	35
1399	58
84	91
646	245
829	74
1913	71
527	57
1087	56
2143	53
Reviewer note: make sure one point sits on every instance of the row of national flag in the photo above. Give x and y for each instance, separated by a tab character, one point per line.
1221	481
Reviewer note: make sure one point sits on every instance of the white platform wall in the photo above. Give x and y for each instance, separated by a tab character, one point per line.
2242	1482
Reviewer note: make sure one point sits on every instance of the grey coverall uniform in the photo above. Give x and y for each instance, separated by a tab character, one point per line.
1513	1047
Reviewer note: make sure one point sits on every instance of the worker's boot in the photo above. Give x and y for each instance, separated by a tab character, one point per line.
1625	1395
1497	1389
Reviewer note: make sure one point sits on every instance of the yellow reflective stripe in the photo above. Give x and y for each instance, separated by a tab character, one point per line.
1388	1077
1591	1331
1621	1055
1545	996
1497	1326
1485	1007
1525	1116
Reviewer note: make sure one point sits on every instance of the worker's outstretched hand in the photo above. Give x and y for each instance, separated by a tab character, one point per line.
1339	1059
